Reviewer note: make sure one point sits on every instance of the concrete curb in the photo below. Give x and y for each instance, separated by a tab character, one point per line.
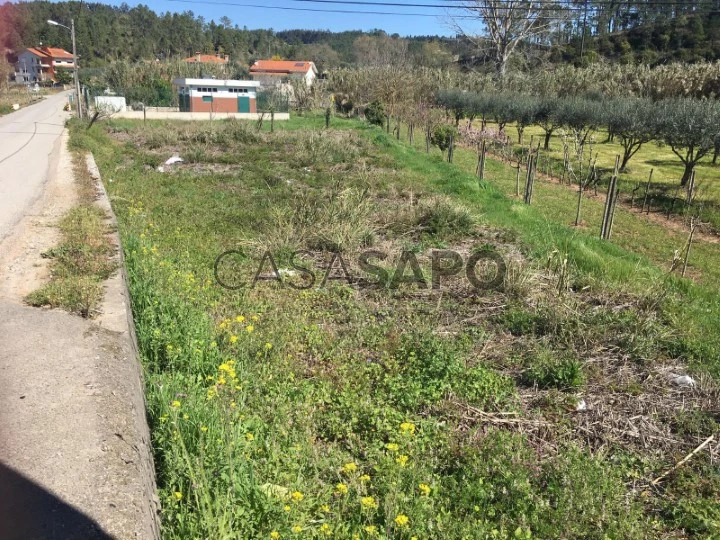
116	317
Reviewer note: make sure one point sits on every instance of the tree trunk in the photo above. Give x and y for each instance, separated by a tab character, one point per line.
548	134
689	166
520	134
626	157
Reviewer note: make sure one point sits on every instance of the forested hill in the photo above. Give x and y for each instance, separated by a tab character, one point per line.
106	33
631	33
681	38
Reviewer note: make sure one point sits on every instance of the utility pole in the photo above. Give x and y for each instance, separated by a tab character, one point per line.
75	65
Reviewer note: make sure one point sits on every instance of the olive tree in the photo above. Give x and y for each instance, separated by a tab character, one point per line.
581	116
546	116
689	127
525	111
633	121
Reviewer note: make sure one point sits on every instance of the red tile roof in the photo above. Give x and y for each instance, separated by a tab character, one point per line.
57	53
207	59
281	66
50	52
37	52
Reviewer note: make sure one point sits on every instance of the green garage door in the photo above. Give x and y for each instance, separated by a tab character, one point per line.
243	104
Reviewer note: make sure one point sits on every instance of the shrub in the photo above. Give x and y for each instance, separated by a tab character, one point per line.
375	113
442	135
549	369
441	218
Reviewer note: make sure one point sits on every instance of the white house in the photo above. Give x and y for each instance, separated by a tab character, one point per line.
37	64
274	72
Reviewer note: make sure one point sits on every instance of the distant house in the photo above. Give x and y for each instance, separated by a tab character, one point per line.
214	95
208	59
274	72
37	64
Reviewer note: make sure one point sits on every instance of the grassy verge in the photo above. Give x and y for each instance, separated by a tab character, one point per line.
350	411
18	96
81	262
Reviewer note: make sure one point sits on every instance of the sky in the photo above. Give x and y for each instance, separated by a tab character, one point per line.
433	22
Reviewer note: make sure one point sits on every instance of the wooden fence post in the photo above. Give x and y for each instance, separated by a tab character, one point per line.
610	200
517	179
691	188
647	190
693	225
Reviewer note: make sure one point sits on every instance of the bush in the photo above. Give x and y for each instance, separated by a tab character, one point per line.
443	219
442	135
375	113
549	369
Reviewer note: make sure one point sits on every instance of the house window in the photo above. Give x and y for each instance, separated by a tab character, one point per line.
207	99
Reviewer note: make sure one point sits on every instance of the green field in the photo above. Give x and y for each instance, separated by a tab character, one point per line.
666	166
396	411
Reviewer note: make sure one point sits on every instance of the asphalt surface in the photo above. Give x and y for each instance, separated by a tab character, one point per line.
27	138
74	443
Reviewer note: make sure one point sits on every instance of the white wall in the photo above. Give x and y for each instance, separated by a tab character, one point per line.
29	62
172	115
110	104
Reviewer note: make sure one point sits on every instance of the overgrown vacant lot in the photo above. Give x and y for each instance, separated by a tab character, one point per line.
400	411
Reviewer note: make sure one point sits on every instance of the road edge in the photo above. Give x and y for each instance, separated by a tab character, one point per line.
116	316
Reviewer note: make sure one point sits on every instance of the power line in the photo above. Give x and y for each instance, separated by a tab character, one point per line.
539	17
464	4
287	8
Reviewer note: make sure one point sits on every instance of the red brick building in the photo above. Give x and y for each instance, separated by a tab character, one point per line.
213	95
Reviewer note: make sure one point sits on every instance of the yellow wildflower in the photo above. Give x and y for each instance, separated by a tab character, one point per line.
249	328
365	478
268	346
233	339
249	437
211	392
425	489
186	416
325	529
178	495
239	318
349	467
392	447
297	496
402	520
175	404
369	502
255	318
274	535
341	488
297	529
232	404
402	460
407	427
286	507
371	529
203	429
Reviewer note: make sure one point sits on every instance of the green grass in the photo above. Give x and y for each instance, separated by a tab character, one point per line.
82	260
341	411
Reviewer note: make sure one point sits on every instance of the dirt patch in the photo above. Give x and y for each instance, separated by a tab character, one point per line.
21	251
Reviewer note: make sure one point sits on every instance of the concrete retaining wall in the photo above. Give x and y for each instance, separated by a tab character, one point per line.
116	317
171	115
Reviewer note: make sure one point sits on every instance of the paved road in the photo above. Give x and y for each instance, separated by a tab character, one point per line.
27	138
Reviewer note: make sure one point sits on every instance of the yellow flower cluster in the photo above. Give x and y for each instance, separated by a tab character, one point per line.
407	427
341	488
402	521
424	489
369	502
297	496
349	468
